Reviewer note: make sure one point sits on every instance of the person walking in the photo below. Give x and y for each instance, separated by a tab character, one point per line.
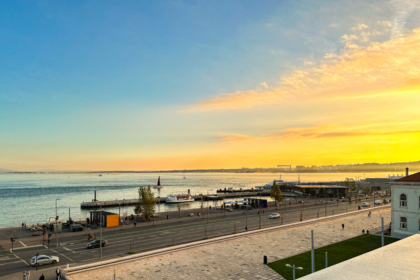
42	277
67	265
135	223
342	225
58	272
27	274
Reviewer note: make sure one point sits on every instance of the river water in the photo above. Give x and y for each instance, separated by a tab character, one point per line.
31	198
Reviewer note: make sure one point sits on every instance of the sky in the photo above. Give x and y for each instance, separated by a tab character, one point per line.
158	85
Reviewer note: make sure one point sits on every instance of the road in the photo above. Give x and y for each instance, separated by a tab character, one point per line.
164	234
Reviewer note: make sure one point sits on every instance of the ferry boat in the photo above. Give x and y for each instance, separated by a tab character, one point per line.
179	198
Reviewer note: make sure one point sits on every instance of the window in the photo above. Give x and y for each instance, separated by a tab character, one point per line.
403	223
403	200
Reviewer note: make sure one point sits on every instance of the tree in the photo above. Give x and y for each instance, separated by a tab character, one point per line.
147	202
353	186
367	189
276	193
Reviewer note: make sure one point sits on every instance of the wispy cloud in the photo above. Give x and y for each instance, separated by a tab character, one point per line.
315	132
403	9
375	69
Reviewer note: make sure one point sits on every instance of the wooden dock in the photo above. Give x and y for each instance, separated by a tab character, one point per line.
135	201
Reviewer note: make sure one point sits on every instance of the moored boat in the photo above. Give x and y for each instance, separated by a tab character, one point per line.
179	198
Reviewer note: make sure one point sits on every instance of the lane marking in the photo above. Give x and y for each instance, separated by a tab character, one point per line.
62	255
23	244
21	260
70	250
9	263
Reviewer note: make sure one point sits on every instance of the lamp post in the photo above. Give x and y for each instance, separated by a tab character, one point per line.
56	223
100	238
294	268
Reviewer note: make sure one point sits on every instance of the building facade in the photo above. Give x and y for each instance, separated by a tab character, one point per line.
405	206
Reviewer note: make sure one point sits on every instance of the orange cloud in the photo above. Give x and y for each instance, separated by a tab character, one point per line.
323	131
377	69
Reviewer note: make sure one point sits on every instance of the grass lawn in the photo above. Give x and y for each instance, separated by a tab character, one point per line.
337	253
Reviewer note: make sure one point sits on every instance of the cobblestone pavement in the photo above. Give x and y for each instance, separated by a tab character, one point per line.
241	258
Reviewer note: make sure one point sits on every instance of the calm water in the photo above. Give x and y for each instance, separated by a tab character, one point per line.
31	198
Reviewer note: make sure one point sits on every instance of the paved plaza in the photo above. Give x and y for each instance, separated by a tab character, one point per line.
243	257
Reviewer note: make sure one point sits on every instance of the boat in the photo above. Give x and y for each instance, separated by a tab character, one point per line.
179	198
158	186
213	197
100	175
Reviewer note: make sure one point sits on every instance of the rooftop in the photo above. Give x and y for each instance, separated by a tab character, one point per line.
414	178
398	260
321	187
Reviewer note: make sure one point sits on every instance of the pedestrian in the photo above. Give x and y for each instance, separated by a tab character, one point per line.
363	231
22	224
367	232
27	274
67	265
358	207
58	272
342	225
42	277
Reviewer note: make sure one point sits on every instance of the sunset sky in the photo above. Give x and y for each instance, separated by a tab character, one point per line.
153	85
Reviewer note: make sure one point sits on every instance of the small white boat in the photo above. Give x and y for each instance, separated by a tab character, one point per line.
212	196
179	198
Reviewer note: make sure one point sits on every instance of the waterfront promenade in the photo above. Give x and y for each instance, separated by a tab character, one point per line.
241	258
146	237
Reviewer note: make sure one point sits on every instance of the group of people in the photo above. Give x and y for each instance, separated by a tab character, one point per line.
42	277
23	225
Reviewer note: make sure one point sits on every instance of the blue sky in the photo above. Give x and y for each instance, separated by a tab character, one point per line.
108	78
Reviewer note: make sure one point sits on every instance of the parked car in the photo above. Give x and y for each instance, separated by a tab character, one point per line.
44	259
95	244
365	204
378	202
274	216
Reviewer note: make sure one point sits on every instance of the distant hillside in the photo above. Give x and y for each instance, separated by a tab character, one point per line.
2	170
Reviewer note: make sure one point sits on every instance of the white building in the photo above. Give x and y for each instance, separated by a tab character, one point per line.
405	206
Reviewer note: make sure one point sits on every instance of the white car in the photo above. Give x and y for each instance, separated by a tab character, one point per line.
365	204
44	259
378	202
274	216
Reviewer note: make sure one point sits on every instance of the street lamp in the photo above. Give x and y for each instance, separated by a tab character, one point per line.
56	224
294	268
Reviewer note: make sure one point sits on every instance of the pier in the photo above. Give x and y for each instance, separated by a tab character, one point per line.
135	201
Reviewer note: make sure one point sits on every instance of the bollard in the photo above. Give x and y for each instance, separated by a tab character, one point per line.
265	260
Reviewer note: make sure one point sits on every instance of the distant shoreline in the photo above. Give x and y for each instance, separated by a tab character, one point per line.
210	171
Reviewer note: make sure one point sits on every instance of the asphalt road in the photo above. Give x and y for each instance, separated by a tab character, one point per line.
163	234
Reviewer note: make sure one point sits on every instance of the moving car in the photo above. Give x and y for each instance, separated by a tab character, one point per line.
95	244
365	204
274	216
378	202
44	259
